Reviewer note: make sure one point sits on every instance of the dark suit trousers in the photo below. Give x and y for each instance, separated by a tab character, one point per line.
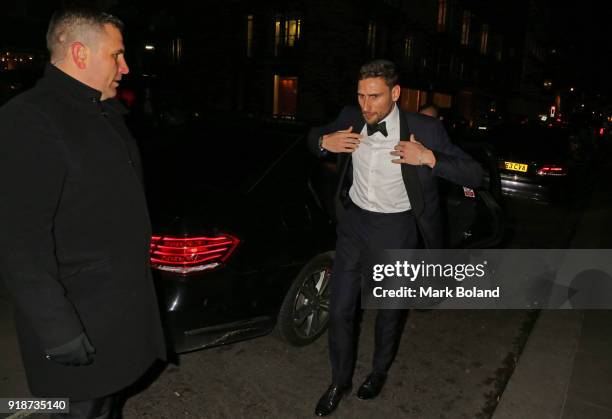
358	231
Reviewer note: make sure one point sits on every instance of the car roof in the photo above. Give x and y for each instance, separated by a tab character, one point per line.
221	153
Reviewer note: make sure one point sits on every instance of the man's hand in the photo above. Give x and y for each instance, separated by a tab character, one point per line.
414	153
343	141
78	351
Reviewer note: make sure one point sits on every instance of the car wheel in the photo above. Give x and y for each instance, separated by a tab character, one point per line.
304	314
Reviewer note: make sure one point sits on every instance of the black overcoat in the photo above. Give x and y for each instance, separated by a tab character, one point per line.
75	236
452	164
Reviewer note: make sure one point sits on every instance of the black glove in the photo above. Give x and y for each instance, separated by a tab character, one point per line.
78	351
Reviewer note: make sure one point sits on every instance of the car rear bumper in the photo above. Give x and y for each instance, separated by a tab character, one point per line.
186	340
544	191
525	190
219	307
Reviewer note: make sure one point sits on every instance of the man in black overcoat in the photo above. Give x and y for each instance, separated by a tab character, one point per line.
386	197
74	225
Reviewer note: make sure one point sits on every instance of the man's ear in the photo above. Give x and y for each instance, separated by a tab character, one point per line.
79	54
395	92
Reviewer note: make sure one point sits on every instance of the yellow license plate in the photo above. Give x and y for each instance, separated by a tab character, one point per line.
517	167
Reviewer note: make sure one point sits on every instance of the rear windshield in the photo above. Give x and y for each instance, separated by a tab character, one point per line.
218	154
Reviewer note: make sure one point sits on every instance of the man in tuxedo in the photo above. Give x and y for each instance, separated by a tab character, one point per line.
386	198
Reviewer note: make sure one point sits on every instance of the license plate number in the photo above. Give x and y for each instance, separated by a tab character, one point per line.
517	167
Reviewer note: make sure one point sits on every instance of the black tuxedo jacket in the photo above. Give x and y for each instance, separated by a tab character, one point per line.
452	164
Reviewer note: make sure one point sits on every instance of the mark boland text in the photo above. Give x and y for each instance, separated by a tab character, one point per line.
431	292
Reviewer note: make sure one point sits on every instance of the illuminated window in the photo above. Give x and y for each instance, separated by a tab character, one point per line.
250	36
484	39
408	47
465	27
292	32
372	38
277	36
442	100
285	96
286	33
411	99
442	8
177	49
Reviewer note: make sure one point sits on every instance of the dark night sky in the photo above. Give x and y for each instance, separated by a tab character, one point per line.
581	31
585	32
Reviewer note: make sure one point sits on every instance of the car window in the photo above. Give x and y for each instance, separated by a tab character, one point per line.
220	154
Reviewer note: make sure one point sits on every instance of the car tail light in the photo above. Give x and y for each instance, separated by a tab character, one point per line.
184	255
552	171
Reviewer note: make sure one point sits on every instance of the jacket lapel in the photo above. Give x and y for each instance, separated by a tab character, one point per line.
409	173
345	164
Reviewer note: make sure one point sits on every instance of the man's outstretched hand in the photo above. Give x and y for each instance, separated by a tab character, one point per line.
343	141
414	153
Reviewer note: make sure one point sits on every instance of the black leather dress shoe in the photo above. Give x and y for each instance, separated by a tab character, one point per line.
330	399
371	386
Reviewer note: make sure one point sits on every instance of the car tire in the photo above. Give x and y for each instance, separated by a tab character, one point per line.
304	314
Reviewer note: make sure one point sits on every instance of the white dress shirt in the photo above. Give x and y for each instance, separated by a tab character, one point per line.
378	185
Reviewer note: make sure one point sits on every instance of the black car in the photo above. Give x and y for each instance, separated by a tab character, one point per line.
537	161
244	232
239	244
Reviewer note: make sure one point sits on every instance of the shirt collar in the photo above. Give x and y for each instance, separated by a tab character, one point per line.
392	123
391	118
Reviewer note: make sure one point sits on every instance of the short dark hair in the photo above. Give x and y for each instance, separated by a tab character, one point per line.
68	24
380	68
428	105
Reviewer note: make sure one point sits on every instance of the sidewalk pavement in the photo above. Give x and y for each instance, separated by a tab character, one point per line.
565	370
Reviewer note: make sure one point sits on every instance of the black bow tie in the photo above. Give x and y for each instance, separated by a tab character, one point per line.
381	126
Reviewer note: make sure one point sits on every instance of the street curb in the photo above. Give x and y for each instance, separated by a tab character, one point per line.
538	387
